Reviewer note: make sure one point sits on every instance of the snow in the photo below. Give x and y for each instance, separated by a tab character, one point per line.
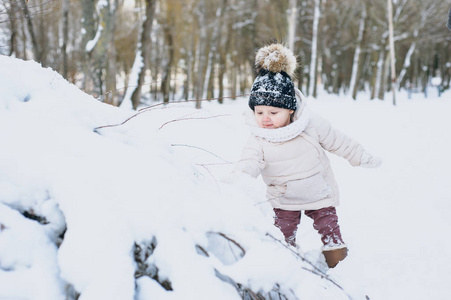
160	181
92	43
436	81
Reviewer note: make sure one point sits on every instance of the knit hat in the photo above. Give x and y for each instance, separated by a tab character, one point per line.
275	65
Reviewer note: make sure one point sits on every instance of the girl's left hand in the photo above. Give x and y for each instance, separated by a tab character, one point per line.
369	161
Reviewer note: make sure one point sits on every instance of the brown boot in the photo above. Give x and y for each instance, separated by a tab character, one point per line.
334	256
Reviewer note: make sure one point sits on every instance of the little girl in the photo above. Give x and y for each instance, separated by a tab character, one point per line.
287	148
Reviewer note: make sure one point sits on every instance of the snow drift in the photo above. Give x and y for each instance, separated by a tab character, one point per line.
143	210
130	211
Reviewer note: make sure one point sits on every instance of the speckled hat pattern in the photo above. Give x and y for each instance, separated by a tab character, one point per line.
273	86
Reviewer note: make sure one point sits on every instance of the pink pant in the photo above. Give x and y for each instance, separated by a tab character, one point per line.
325	221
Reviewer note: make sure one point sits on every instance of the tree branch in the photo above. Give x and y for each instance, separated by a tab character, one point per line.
315	270
193	118
190	146
142	110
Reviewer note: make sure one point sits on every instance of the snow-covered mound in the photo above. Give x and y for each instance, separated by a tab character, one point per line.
136	211
143	210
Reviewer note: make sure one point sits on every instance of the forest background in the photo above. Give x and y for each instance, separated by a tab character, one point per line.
133	53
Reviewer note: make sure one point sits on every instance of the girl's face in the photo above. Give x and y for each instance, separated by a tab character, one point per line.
272	117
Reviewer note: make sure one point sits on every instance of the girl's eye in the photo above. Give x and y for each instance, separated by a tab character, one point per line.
273	112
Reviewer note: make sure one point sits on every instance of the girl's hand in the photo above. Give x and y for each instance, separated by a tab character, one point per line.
369	161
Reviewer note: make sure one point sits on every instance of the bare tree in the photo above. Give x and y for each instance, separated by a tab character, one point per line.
111	67
292	17
357	54
392	49
168	26
65	11
140	65
223	49
8	12
314	56
215	40
88	34
200	52
31	31
344	45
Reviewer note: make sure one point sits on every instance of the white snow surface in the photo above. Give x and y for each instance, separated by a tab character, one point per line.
162	178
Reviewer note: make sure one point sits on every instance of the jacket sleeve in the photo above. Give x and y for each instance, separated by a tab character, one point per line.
335	141
252	159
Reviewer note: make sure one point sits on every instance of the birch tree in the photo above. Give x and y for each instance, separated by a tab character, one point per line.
188	65
224	45
88	34
200	52
111	68
392	49
427	11
292	18
133	95
314	56
101	51
381	75
31	31
9	13
65	25
169	27
356	61
215	41
213	44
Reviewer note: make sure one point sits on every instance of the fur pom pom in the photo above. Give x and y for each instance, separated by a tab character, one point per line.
275	58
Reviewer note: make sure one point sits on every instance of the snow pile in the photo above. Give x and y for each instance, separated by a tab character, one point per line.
144	211
133	211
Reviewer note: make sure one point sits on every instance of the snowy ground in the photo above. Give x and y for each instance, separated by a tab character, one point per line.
158	181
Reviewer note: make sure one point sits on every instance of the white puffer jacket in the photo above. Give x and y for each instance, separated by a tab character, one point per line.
292	160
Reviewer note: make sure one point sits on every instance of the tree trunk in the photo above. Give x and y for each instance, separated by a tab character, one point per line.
392	50
373	79
336	77
223	50
292	18
65	8
88	7
166	76
102	52
111	66
314	57
143	51
31	31
12	17
189	70
201	51
42	36
382	73
356	62
215	40
24	48
407	62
